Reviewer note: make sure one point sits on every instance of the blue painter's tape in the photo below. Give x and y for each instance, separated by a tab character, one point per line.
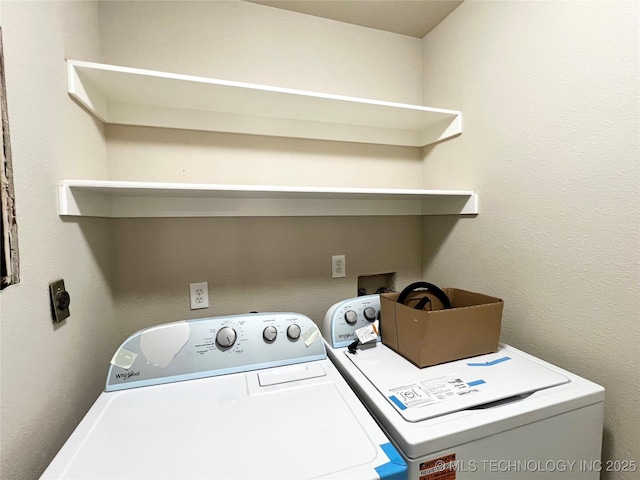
398	403
476	382
396	468
489	364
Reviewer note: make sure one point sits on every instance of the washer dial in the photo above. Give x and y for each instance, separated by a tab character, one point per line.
270	333
226	337
293	331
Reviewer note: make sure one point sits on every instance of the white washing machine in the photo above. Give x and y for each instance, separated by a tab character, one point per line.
505	415
238	397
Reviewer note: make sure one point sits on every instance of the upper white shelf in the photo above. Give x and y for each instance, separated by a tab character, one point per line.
98	198
131	96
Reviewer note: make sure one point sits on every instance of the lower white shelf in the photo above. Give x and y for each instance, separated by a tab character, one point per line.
118	199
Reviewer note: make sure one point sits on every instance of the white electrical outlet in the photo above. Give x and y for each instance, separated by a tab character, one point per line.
338	266
199	295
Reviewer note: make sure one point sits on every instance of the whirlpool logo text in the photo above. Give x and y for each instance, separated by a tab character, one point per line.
346	336
127	375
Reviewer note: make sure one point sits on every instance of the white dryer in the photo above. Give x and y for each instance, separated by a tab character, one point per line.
237	397
505	415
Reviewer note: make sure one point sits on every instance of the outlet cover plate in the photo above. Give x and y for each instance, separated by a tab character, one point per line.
199	295
338	266
60	301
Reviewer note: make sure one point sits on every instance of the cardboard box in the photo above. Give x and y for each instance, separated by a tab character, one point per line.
470	327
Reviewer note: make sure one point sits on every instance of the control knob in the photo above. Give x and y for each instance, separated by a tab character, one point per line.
293	331
226	337
270	333
351	317
370	313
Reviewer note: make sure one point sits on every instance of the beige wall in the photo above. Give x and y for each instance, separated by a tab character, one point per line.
49	374
252	43
246	42
126	274
257	263
253	264
557	179
549	94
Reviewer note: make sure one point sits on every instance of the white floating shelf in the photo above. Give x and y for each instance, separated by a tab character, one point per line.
131	96
116	199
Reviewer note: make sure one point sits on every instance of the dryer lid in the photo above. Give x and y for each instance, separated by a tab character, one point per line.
422	393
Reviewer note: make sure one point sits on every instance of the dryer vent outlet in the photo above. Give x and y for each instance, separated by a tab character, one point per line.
377	283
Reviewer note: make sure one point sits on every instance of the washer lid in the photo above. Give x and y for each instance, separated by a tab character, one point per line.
422	393
228	427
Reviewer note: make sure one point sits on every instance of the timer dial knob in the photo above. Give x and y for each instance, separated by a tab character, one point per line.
270	333
226	337
293	331
351	317
370	313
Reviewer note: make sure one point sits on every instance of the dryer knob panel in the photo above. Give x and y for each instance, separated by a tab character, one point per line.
370	313
351	317
208	347
344	318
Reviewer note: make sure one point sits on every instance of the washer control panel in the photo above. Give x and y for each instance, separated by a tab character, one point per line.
343	319
214	346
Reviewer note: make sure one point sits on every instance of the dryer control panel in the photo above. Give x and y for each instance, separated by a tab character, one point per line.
214	346
343	319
